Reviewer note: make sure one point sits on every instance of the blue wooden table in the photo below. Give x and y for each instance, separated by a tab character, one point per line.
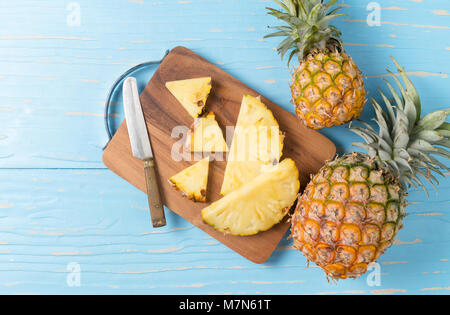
68	225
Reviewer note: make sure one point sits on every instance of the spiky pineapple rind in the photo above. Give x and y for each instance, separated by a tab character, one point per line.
402	146
328	90
324	94
349	214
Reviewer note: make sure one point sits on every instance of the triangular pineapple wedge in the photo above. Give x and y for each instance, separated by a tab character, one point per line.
193	181
258	205
192	94
206	136
257	141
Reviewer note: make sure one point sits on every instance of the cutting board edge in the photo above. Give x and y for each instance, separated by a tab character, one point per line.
256	256
261	259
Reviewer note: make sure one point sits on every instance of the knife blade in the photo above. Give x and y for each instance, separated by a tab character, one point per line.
141	148
137	129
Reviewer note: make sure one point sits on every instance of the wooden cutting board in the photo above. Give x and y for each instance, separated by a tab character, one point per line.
308	148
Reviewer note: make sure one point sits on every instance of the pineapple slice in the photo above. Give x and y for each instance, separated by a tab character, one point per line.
206	136
257	141
258	205
192	94
193	181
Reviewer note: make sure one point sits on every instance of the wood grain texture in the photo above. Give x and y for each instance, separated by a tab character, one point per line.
154	195
163	114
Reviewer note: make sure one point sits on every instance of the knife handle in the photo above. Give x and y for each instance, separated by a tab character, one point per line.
154	197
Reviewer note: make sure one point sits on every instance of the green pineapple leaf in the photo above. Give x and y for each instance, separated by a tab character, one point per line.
308	26
405	142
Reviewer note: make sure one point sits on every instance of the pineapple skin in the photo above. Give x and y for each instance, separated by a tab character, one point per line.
327	89
348	215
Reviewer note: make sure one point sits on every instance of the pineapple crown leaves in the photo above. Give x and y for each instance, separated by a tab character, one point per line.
407	143
308	27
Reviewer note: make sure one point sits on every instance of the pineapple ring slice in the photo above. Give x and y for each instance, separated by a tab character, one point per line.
258	205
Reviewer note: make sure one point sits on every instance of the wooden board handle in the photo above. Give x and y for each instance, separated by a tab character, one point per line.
154	197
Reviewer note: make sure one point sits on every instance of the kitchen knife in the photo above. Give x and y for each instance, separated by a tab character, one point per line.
141	147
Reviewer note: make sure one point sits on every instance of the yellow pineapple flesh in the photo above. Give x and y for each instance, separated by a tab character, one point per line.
257	141
206	136
259	204
193	181
192	94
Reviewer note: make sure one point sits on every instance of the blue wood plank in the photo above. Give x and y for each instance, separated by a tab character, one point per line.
51	71
92	218
58	205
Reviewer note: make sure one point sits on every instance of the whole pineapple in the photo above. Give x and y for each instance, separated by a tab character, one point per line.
327	87
353	208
